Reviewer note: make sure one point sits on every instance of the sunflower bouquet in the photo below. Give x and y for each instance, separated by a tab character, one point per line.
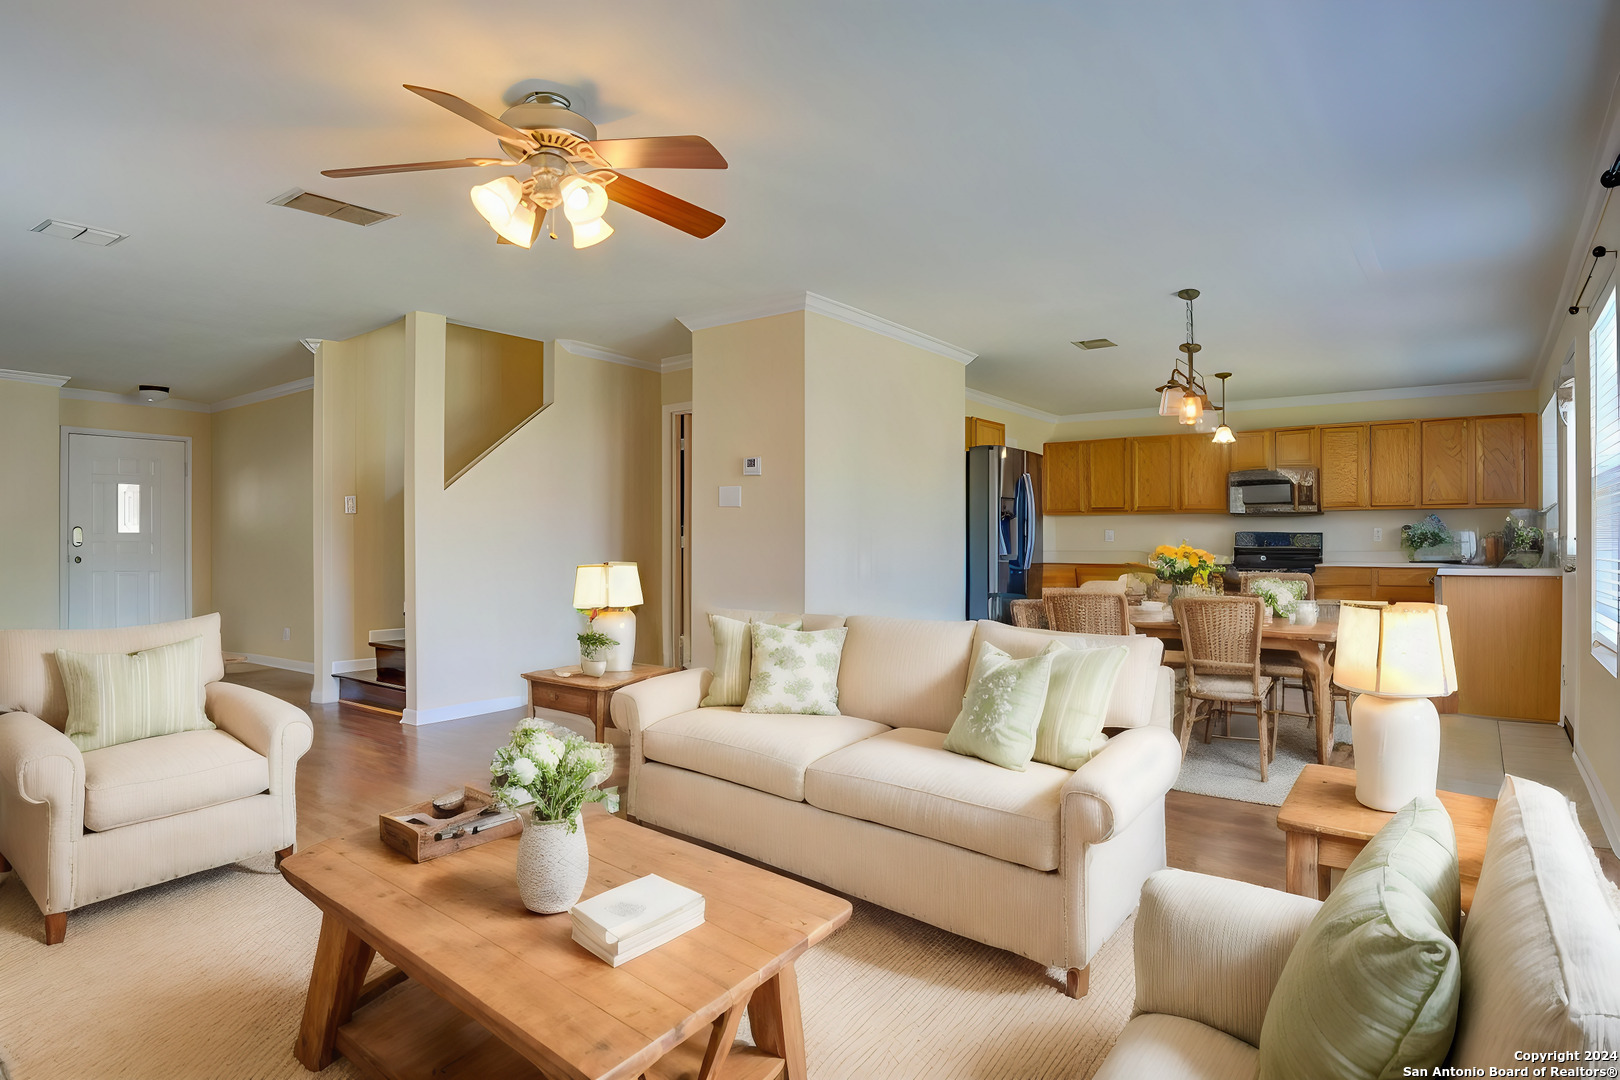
1185	565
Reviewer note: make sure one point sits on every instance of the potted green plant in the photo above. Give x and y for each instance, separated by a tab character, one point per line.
591	645
1421	538
547	775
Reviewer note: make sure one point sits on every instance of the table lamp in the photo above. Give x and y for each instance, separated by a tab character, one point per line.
1397	658
608	591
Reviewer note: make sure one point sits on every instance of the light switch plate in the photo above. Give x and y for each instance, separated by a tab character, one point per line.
348	504
1108	536
752	467
731	496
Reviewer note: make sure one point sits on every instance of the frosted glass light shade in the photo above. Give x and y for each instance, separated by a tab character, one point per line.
1223	434
1170	401
583	200
591	587
501	203
588	233
623	585
1401	651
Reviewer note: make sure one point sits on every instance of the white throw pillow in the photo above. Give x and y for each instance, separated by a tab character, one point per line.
733	658
794	671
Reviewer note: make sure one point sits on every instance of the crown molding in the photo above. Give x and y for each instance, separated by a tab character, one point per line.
596	352
1012	406
833	309
683	362
39	377
295	387
111	398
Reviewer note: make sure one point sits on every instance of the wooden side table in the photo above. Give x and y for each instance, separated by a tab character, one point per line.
1325	828
583	695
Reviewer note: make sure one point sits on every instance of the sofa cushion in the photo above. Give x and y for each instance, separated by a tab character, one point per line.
167	775
733	656
767	752
794	671
1156	1044
121	697
907	780
1541	947
905	672
1131	703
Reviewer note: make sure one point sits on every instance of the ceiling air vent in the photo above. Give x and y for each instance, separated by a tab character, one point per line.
1093	343
320	205
84	234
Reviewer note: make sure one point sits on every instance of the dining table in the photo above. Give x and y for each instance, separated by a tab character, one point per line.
1312	644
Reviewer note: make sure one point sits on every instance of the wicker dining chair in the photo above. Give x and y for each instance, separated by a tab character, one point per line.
1220	636
1030	614
1281	664
1078	612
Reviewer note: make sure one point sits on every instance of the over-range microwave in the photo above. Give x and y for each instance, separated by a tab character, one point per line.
1272	491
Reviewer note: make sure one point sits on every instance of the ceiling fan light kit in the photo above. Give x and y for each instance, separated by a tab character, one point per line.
569	169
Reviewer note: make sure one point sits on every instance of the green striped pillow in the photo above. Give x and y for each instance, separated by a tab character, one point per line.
1076	703
734	658
121	697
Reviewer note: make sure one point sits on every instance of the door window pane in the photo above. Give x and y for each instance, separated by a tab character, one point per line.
129	508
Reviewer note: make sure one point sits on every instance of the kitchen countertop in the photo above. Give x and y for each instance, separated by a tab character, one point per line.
1456	569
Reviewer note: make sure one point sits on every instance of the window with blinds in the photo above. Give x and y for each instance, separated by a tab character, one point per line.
1604	545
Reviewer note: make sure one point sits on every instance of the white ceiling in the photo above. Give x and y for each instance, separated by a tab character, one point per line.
1370	195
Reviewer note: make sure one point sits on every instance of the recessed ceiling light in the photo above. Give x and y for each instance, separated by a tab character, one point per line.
321	206
1093	343
84	234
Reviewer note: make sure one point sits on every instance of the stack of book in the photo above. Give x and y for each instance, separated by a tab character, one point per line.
640	915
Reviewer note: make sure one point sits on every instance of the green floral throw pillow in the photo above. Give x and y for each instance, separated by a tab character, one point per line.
733	660
795	671
1077	696
1280	596
1002	707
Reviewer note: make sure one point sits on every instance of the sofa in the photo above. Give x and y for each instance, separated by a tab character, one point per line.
1045	863
81	827
1539	957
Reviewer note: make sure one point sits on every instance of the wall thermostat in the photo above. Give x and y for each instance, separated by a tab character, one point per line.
751	467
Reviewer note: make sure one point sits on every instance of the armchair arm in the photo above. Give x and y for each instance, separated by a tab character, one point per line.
41	806
1131	773
641	705
1212	949
1164	698
264	724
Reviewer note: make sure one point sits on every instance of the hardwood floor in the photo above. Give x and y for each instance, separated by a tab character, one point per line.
363	765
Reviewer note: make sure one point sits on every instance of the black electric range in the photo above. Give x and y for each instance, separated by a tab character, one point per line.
1289	552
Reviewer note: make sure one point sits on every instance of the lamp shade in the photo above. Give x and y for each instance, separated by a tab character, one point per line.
1402	650
623	585
591	586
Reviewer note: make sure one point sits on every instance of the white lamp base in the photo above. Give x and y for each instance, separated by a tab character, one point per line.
1397	744
620	625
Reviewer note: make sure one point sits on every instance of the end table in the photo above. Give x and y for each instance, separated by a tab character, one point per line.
582	694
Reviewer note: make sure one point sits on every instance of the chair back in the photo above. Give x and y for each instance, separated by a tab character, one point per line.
1113	585
1220	635
1246	576
1076	611
1030	614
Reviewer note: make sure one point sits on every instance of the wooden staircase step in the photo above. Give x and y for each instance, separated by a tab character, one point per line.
366	691
390	661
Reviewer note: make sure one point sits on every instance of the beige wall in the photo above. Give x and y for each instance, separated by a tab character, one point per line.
263	505
198	427
493	383
492	557
748	399
360	425
1023	432
30	506
883	475
676	387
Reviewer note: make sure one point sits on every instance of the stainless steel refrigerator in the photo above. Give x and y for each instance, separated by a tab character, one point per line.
1003	529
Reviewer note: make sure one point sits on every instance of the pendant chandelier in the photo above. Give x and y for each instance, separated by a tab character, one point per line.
1183	395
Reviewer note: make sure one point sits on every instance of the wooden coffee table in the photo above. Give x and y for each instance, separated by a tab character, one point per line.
585	695
490	989
1325	828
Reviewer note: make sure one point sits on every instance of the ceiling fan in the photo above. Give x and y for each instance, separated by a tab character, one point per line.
570	170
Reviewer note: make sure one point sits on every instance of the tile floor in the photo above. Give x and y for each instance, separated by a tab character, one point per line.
1475	753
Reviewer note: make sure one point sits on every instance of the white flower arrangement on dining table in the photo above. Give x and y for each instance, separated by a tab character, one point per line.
551	770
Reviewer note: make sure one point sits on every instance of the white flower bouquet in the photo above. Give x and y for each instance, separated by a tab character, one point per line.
553	771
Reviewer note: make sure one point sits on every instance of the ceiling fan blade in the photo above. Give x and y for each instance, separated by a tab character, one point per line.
417	166
468	111
663	206
664	152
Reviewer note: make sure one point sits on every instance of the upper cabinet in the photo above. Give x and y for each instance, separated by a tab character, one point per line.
1447	462
1154	476
1108	475
1203	475
1252	450
1392	471
1294	447
1343	482
1063	478
1501	473
982	432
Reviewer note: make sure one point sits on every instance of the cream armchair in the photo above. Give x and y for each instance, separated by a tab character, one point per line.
80	827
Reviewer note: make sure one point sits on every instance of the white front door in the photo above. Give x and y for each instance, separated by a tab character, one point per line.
124	545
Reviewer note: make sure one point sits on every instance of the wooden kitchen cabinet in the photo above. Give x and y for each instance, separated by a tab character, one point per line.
1391	584
1501	444
1063	478
982	432
1153	473
1446	462
1345	582
1294	448
1343	481
1252	450
1107	473
1203	474
1392	469
1506	636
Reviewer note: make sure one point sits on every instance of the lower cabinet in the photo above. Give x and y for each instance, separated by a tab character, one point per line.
1392	584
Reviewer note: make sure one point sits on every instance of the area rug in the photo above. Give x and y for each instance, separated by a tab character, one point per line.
205	978
1230	768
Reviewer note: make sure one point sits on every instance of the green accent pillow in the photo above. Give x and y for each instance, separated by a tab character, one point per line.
1082	681
1280	596
795	671
121	697
1002	707
733	659
1371	988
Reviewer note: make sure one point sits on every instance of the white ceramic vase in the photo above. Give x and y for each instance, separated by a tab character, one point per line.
594	668
552	864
